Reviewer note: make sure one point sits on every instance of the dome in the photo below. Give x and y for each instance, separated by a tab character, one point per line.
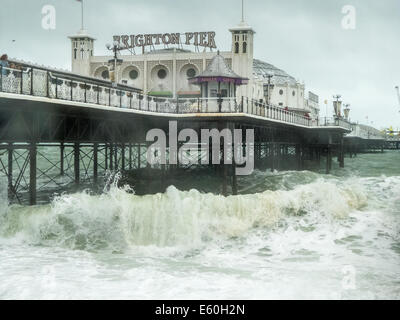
262	69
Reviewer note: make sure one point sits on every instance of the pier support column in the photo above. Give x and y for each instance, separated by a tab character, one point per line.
224	180
139	156
318	151
111	157
233	166
328	160
123	157
10	172
341	154
76	163
234	180
116	158
62	148
278	157
272	155
32	174
130	156
302	158
95	162
106	156
298	157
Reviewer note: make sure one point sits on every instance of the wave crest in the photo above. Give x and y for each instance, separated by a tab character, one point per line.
119	219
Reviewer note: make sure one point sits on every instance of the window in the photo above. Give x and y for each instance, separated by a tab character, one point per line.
105	74
191	73
75	53
236	47
162	74
244	47
281	92
294	93
133	74
281	104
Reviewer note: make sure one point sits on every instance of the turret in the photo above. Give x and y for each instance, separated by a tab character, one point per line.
242	55
81	52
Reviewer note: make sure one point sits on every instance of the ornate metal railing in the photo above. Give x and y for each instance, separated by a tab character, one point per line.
335	122
64	86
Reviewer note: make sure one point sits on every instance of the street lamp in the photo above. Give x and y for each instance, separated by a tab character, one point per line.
114	62
270	74
337	105
346	111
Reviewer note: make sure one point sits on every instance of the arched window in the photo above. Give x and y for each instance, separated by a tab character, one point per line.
244	47
162	74
105	74
75	52
190	73
236	47
133	74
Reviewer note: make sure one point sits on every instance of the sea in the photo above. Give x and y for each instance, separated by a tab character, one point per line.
287	235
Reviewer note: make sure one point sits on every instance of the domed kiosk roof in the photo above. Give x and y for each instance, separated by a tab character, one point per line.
219	71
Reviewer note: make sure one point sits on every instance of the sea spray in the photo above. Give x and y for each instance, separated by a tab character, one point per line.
118	219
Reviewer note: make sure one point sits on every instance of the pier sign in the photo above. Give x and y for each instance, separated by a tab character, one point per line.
201	39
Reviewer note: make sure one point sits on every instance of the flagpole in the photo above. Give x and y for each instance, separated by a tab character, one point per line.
242	10
82	12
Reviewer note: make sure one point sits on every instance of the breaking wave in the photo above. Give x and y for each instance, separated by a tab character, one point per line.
119	219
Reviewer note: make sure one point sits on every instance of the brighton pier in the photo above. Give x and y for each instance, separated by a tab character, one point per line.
61	130
99	127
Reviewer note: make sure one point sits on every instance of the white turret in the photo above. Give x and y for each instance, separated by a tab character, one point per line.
81	52
242	54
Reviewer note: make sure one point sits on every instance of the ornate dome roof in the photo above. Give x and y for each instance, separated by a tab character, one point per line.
262	69
218	70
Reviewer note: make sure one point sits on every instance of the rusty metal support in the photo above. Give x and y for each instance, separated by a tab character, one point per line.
32	174
95	162
76	162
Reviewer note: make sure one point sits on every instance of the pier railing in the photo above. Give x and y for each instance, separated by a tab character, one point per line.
42	82
335	122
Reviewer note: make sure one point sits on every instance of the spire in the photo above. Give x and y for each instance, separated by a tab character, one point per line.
242	11
242	25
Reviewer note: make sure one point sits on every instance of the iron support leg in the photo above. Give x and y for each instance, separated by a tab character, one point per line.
32	174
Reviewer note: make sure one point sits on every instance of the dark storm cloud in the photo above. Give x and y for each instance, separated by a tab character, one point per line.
303	37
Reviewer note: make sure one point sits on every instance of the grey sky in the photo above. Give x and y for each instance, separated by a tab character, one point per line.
302	37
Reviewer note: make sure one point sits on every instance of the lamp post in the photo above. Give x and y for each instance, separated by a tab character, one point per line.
346	111
114	62
337	104
270	74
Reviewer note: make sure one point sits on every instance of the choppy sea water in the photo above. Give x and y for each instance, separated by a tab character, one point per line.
291	235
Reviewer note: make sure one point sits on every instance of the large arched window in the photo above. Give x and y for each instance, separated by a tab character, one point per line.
236	47
244	47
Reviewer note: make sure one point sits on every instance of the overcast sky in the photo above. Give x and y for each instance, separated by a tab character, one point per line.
303	37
